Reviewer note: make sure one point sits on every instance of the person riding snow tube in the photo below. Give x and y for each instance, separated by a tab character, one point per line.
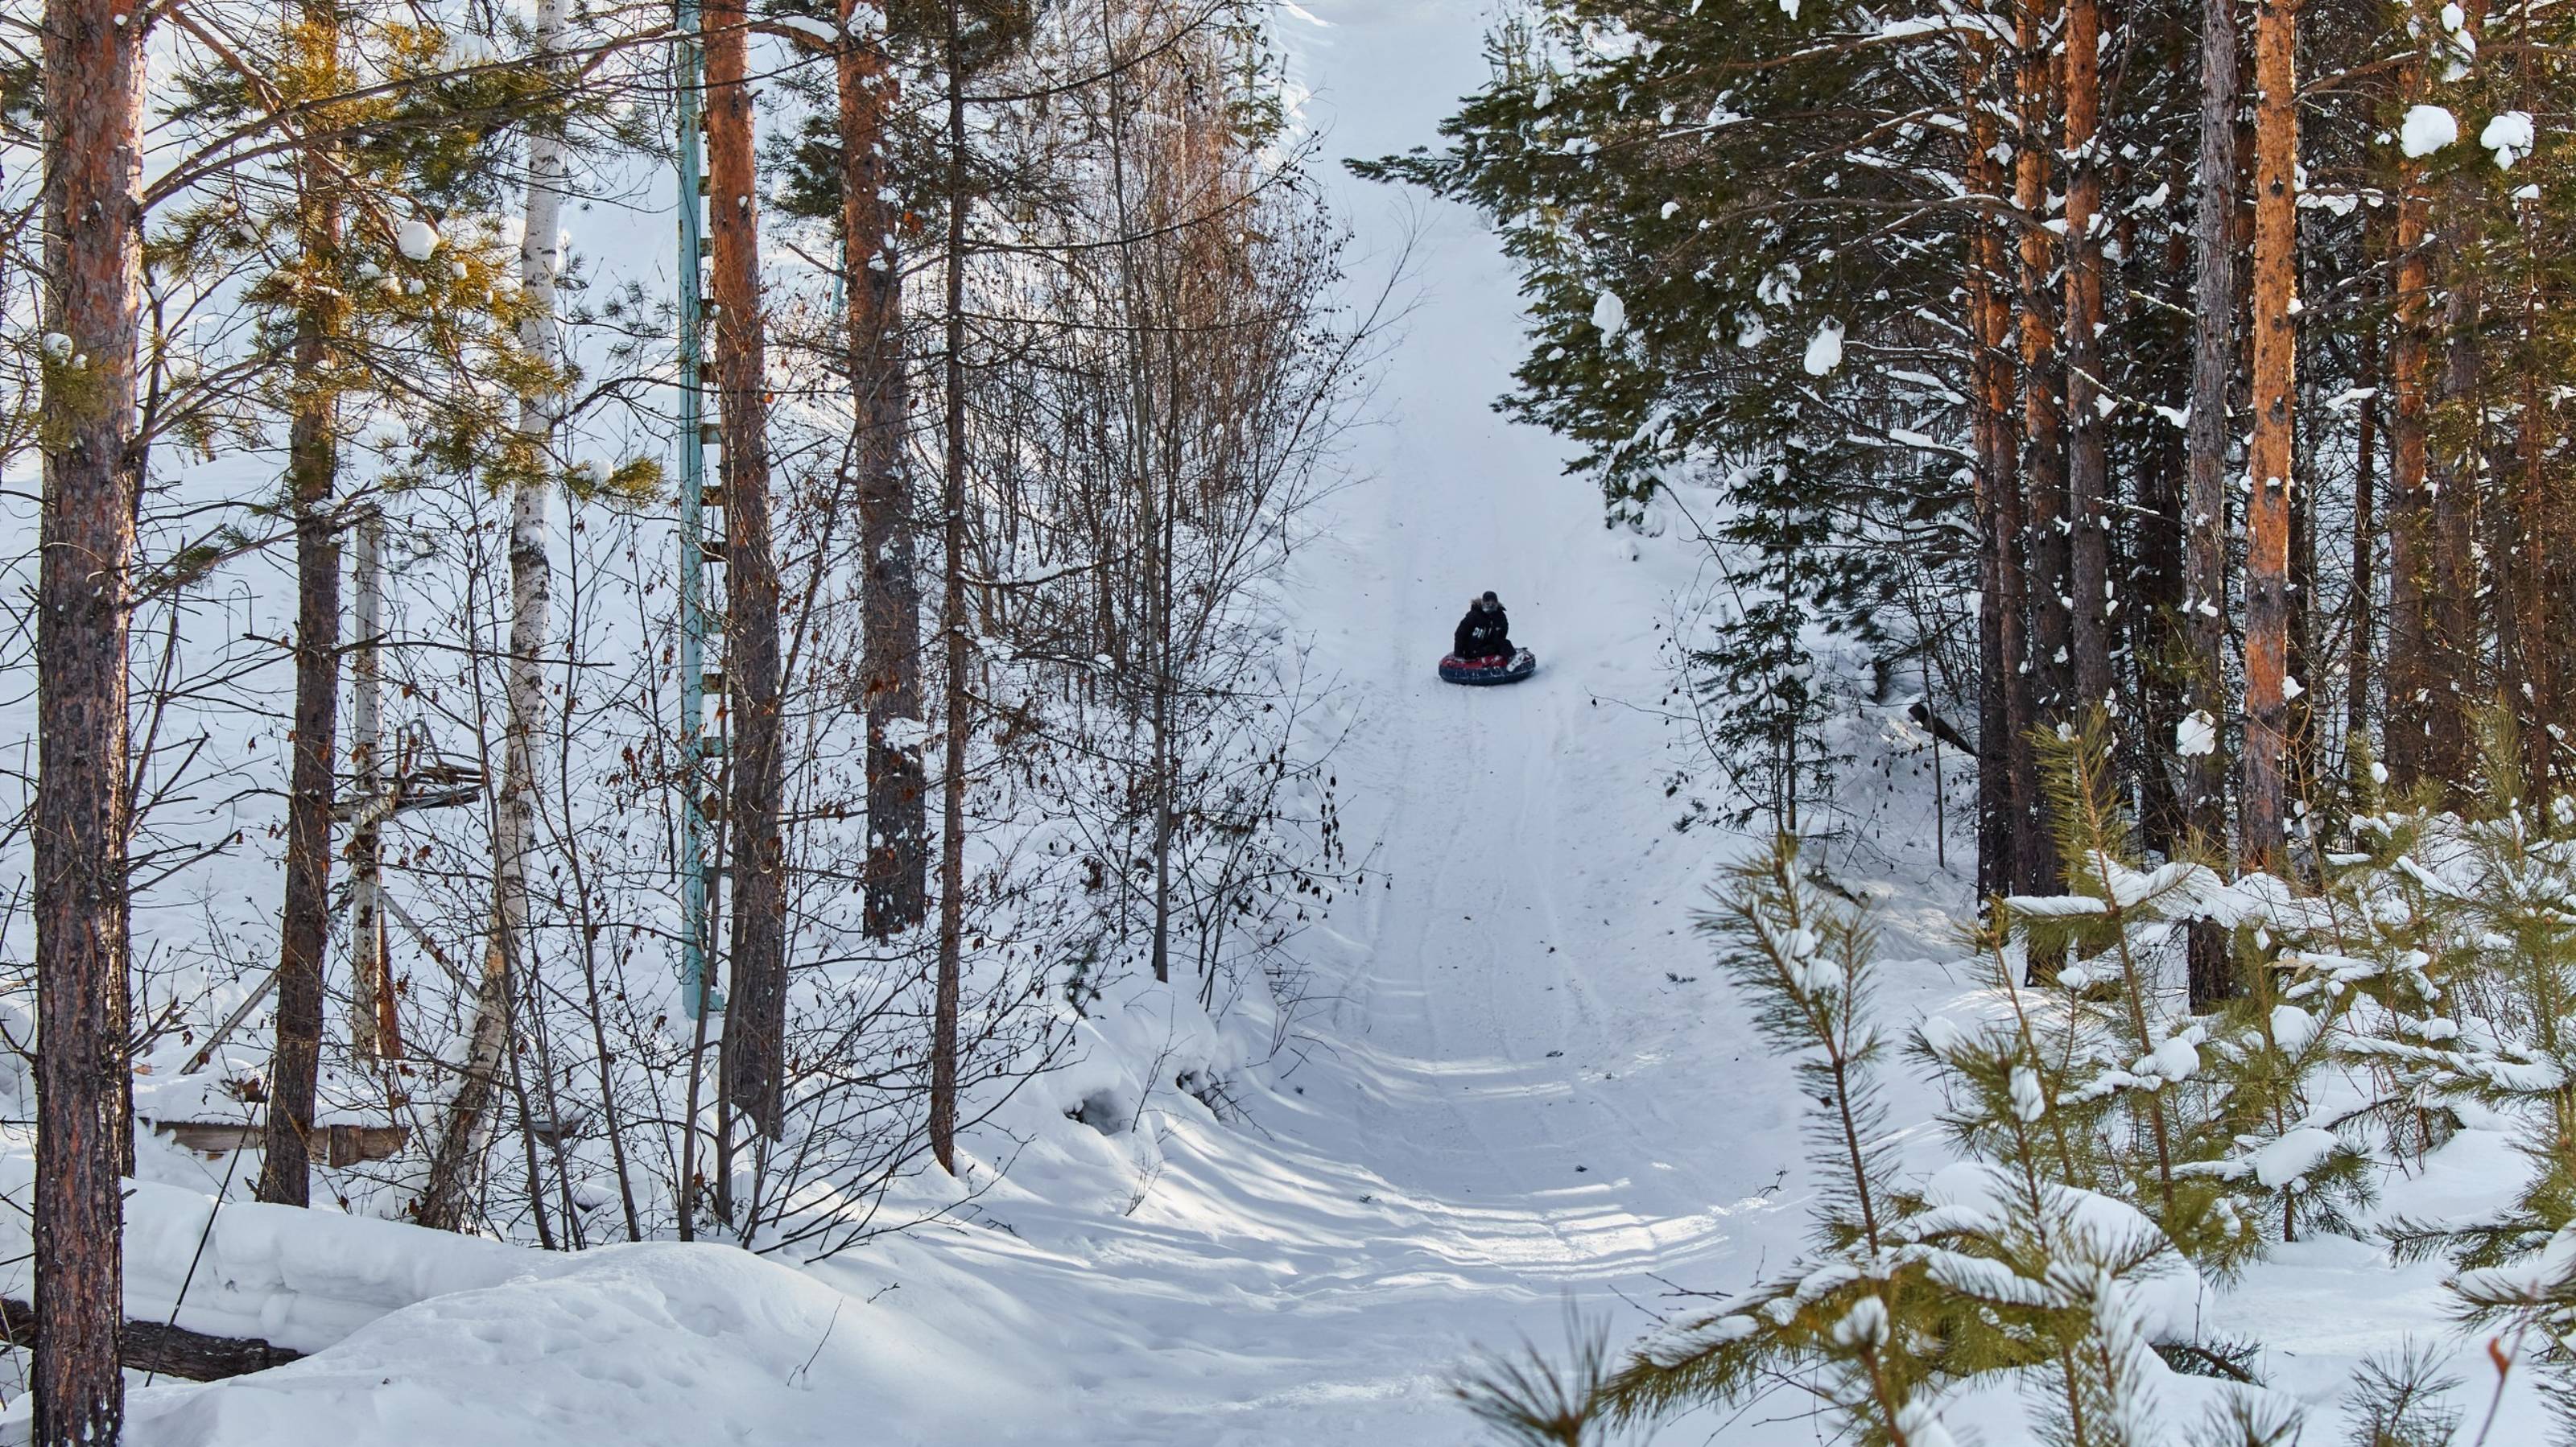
1481	650
1486	631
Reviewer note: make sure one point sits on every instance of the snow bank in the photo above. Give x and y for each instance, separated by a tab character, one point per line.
302	1279
634	1345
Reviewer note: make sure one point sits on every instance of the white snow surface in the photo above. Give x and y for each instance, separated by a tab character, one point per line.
1525	1092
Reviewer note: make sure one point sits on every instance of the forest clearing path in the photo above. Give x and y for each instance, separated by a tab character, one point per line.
1522	1097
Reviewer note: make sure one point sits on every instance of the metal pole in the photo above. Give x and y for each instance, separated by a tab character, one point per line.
697	988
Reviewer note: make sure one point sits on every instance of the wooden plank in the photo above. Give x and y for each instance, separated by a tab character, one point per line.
340	1145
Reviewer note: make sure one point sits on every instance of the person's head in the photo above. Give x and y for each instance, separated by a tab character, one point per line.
1489	602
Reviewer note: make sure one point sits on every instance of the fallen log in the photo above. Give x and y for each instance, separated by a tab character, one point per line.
154	1346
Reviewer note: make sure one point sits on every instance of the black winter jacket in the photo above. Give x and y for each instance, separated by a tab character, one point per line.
1483	633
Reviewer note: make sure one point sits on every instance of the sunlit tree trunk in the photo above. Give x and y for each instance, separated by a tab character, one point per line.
756	1015
93	115
312	473
456	1160
953	625
2261	795
898	846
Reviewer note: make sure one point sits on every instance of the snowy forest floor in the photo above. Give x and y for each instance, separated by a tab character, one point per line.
1521	1090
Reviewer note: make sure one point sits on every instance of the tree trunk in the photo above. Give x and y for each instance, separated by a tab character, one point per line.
93	56
2006	765
2043	434
2204	605
312	472
756	1016
456	1162
2529	654
370	994
2365	501
514	812
2088	579
2260	803
898	844
952	627
2453	658
158	1347
2408	676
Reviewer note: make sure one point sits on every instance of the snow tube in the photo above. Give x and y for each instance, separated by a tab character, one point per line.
1484	672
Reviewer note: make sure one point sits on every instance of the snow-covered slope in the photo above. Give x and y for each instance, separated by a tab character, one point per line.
1523	1095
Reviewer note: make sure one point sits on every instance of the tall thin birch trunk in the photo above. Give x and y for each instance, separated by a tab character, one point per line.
754	1049
312	472
94	83
2261	795
457	1159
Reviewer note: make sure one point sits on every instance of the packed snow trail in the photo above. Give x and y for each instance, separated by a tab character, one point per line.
1528	1092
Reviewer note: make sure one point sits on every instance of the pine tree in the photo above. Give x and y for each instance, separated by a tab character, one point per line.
94	89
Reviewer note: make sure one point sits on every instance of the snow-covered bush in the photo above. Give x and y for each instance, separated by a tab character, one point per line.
2462	937
2015	1268
2212	1129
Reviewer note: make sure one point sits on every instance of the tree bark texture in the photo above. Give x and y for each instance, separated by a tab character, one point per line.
2204	602
2452	660
756	1015
2408	676
93	58
953	632
158	1347
2365	504
312	477
2261	794
2088	467
2043	470
898	871
2007	771
371	1036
